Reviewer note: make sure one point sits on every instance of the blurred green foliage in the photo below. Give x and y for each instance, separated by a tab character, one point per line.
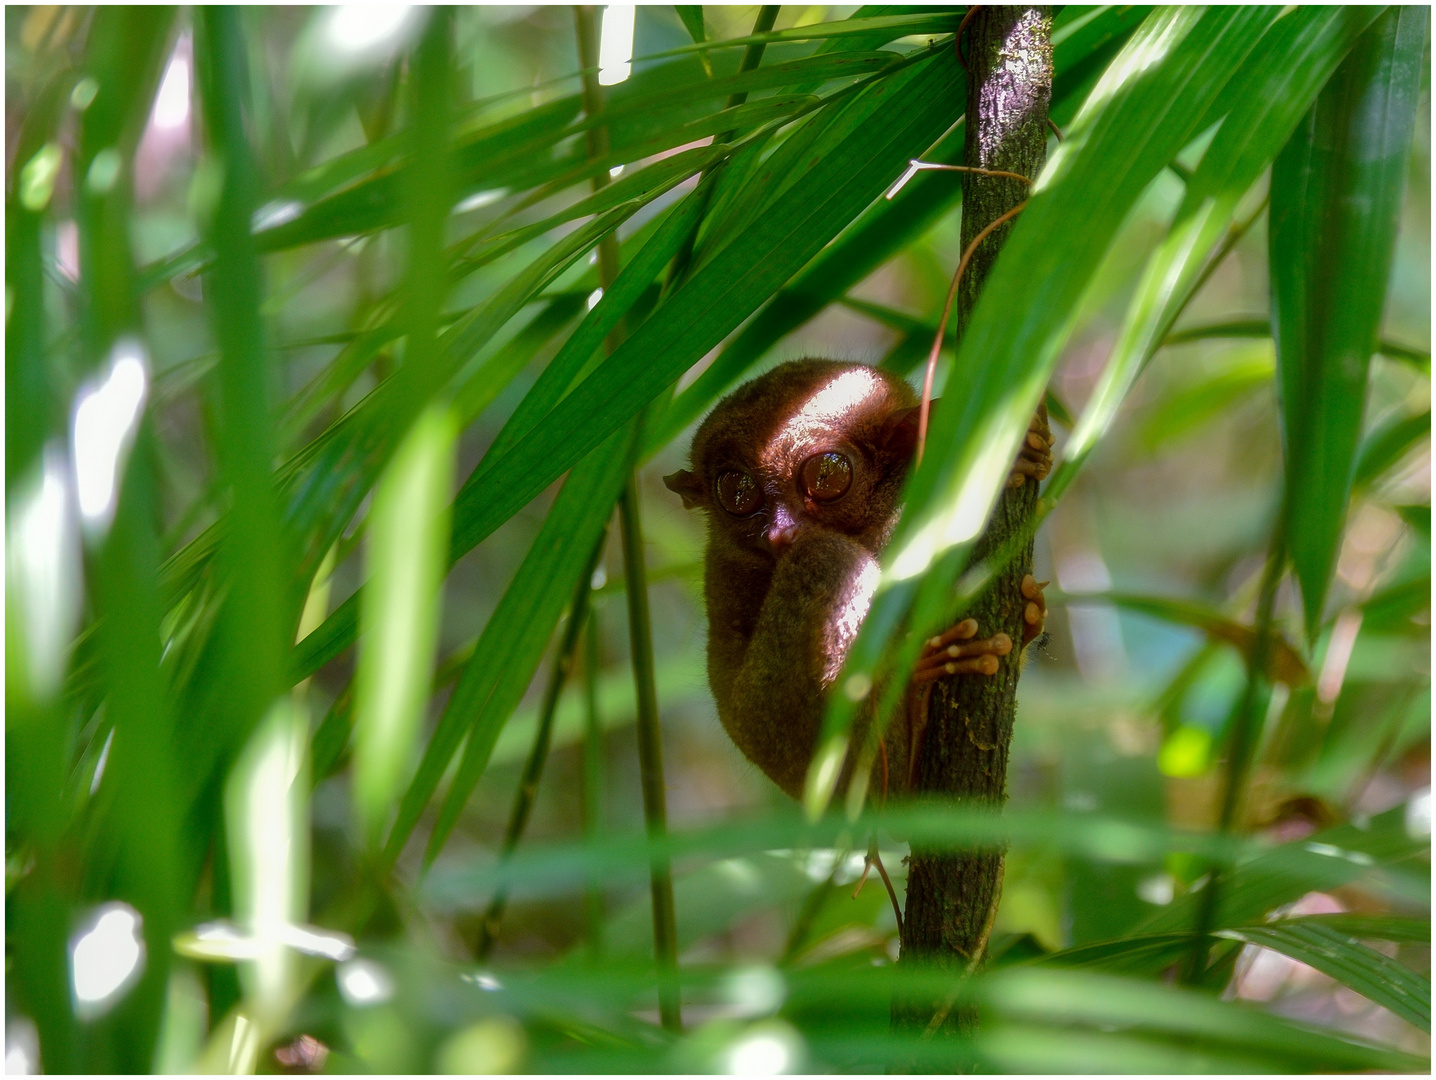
262	264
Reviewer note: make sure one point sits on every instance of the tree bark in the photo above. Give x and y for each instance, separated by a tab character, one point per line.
952	897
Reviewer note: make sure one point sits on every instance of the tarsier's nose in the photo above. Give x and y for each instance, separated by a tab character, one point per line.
783	530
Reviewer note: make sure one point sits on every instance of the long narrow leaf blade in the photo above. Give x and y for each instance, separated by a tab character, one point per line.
1336	201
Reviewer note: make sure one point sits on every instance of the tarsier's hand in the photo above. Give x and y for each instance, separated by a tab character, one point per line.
1035	457
943	656
955	653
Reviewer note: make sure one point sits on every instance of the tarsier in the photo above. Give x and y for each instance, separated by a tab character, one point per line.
800	473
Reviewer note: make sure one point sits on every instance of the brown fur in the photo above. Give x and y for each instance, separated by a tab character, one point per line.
788	587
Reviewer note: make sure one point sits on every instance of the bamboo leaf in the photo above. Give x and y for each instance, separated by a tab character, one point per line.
1366	927
408	531
1275	87
1387	446
1348	961
882	230
900	115
1324	861
1071	997
1336	196
513	641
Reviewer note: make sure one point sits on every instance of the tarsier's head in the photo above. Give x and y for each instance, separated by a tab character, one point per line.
811	443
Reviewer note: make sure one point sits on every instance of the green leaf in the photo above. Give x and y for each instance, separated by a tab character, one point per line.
1336	201
1241	374
891	121
1366	927
408	534
1071	997
513	640
1277	84
1418	517
1143	111
1348	961
1324	861
882	231
333	475
1387	445
655	111
692	16
1241	328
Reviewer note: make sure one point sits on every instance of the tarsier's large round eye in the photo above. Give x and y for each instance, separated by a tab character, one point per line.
738	492
826	476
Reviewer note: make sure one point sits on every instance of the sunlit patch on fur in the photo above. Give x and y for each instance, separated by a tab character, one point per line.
828	407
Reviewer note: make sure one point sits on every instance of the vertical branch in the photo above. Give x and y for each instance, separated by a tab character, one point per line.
952	898
650	737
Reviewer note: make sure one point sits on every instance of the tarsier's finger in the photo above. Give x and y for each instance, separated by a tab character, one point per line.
961	632
1034	614
1038	469
1040	428
937	668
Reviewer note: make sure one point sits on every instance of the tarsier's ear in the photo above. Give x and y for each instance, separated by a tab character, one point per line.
687	486
899	435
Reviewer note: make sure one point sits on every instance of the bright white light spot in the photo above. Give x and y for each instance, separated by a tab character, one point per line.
274	214
1157	889
104	426
326	943
615	50
104	170
172	102
43	567
1360	858
766	1049
756	991
1418	814
615	172
483	980
104	760
593	298
106	958
356	28
479	199
22	1047
363	982
600	577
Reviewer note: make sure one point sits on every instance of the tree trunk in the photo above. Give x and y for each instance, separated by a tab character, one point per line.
952	898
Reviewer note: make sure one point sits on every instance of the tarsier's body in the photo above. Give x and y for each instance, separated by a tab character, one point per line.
800	472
